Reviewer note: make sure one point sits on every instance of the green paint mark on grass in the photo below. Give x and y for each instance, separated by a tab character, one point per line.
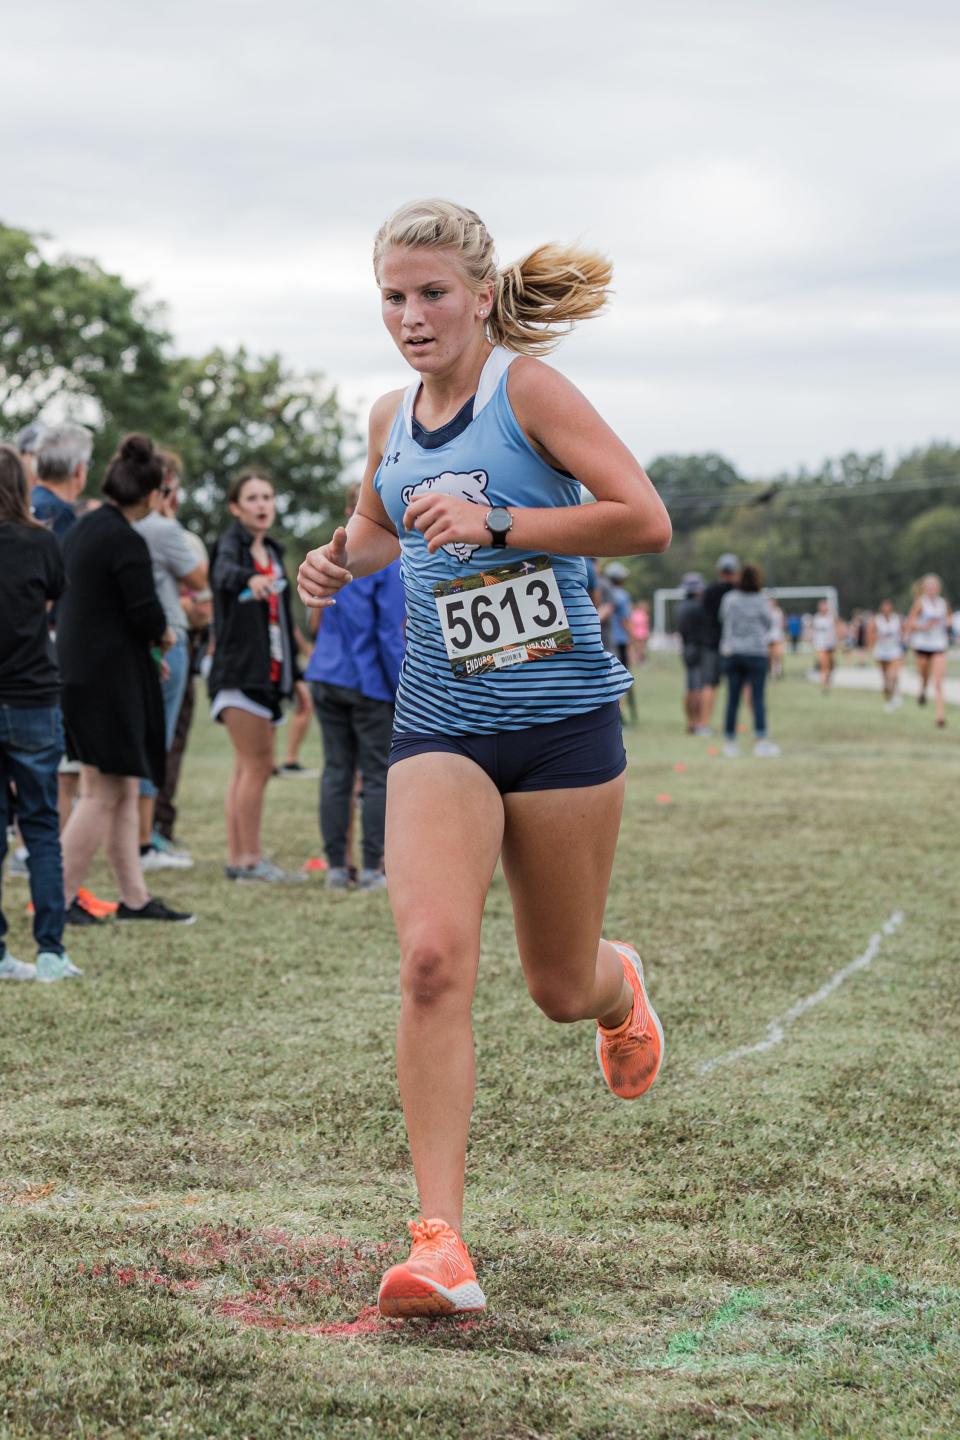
741	1302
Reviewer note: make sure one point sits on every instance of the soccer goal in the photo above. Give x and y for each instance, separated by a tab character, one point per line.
662	636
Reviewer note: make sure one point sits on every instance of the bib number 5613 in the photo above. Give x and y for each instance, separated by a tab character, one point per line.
488	619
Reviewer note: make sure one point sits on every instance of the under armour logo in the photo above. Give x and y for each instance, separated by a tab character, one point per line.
391	459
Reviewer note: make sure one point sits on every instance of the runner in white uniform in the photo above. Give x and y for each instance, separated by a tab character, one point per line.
825	643
507	743
778	636
886	642
927	630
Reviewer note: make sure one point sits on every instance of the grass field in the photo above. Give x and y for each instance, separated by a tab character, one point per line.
204	1167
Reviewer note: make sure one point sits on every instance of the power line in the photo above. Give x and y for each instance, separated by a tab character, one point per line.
803	490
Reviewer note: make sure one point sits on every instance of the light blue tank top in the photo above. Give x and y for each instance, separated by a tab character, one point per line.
491	462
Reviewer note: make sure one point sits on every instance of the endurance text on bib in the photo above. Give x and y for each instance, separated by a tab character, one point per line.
502	617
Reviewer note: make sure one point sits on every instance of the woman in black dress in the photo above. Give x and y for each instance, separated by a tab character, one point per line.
111	632
254	666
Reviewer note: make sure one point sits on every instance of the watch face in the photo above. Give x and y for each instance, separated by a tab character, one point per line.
499	521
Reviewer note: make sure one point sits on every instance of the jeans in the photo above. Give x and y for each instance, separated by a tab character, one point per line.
165	815
31	744
746	670
178	664
356	736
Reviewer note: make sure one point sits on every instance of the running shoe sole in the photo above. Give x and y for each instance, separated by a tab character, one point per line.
404	1295
628	952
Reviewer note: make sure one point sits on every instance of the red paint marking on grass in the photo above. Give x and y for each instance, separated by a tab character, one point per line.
124	1275
248	1312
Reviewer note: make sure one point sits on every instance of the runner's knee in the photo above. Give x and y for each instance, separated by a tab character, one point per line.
431	971
562	1004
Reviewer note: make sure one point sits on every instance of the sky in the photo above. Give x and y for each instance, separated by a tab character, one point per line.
778	188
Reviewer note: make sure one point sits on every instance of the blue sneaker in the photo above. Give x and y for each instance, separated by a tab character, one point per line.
11	969
51	966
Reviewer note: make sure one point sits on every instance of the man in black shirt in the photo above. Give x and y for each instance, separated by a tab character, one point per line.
728	571
689	623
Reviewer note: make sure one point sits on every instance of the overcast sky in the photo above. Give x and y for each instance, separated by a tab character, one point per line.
778	186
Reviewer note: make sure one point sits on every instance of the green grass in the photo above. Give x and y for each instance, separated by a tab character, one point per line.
204	1164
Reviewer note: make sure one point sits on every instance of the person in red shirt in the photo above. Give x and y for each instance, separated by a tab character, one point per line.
254	668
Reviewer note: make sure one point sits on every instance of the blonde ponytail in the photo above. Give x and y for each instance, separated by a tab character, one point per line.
536	301
540	298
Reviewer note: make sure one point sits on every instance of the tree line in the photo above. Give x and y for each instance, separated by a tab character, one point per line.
81	343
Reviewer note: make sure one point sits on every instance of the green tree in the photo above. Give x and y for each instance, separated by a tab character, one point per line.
693	487
237	411
77	342
931	542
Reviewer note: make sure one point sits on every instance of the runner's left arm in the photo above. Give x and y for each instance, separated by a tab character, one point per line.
629	518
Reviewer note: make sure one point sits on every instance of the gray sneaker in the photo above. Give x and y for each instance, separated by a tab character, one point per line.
272	874
11	969
372	880
731	749
17	868
337	878
51	966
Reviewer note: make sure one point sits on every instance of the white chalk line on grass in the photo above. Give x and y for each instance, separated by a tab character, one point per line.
777	1029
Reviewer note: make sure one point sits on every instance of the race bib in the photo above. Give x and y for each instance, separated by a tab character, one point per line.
503	617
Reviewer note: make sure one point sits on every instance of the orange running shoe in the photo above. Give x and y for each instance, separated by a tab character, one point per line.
438	1278
100	908
630	1056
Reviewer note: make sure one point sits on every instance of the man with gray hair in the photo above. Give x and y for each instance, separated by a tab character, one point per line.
63	458
28	443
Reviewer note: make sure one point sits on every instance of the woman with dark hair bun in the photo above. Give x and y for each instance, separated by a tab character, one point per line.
111	633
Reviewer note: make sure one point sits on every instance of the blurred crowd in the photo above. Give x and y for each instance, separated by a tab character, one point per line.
111	610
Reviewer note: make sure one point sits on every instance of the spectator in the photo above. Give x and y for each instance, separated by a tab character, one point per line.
353	673
620	623
601	593
640	630
174	564
198	608
28	442
63	459
254	665
110	618
31	729
728	567
689	623
794	630
746	623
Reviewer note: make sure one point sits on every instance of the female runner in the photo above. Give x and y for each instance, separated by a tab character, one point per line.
929	636
507	742
885	639
825	643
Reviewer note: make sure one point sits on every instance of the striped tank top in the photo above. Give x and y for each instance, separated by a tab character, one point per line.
490	462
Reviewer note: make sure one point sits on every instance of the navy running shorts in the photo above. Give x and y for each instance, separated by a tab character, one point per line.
567	754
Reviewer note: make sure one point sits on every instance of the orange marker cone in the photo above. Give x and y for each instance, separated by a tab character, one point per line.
680	768
664	799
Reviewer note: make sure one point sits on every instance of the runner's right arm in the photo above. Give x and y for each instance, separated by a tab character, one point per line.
369	542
